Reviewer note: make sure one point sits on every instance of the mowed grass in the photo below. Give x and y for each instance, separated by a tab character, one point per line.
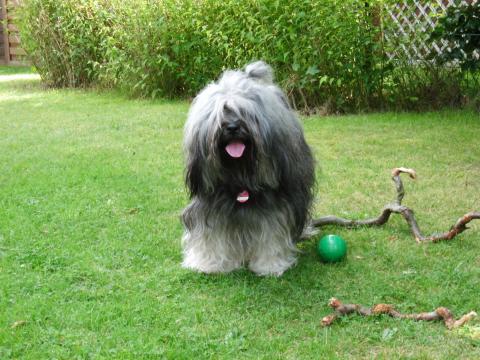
91	192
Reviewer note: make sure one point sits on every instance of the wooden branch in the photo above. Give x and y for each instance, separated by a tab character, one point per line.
441	313
407	213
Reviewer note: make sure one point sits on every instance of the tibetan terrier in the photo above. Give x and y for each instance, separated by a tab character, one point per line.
250	174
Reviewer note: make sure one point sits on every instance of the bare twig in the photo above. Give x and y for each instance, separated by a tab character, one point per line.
407	213
441	313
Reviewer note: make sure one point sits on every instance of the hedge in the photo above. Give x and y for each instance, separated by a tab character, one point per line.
326	54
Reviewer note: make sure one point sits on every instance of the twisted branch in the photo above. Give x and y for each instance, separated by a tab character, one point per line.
441	313
407	213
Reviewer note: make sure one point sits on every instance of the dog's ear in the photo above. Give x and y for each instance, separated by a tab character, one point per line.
193	174
260	71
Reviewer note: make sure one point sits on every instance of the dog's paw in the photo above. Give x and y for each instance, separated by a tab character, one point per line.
271	266
207	266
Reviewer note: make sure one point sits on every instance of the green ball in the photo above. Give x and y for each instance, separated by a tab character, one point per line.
331	248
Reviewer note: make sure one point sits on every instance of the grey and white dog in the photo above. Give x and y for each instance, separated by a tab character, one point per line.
250	174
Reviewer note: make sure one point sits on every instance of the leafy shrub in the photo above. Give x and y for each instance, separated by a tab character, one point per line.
460	27
157	49
65	39
422	86
326	54
414	81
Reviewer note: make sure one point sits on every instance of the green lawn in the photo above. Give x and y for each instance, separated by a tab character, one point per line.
91	188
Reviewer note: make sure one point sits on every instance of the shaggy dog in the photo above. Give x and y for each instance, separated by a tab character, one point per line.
250	174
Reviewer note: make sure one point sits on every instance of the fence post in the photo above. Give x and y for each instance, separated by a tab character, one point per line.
6	41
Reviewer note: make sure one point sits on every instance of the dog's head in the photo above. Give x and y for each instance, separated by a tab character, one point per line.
241	135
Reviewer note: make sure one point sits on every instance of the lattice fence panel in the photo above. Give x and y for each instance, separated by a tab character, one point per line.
413	20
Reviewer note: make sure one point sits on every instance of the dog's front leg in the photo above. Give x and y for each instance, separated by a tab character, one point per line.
201	252
273	251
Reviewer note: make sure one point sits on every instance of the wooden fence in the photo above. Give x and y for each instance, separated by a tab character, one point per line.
11	53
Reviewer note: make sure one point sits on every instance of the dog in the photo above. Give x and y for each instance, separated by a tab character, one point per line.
250	175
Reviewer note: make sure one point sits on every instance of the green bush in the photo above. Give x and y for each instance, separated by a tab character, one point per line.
423	79
460	28
66	39
422	86
326	54
323	52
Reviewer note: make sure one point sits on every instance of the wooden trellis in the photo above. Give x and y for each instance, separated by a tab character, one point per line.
411	20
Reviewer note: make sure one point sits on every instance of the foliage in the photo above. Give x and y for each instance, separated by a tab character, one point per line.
414	82
327	55
323	52
422	86
460	27
66	39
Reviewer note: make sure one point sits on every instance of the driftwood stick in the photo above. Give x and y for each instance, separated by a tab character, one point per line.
407	213
441	313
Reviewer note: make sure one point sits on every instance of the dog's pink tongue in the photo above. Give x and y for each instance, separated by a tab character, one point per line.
235	149
243	197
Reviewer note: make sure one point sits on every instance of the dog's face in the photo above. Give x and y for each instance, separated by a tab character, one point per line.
236	153
241	136
234	143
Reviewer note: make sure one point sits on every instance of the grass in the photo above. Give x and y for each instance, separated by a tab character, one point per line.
91	192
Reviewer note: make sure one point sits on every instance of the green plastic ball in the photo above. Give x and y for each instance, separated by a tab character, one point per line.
331	248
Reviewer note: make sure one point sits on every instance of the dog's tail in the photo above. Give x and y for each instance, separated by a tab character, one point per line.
260	70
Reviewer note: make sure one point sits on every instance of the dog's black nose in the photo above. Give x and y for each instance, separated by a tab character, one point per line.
232	127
